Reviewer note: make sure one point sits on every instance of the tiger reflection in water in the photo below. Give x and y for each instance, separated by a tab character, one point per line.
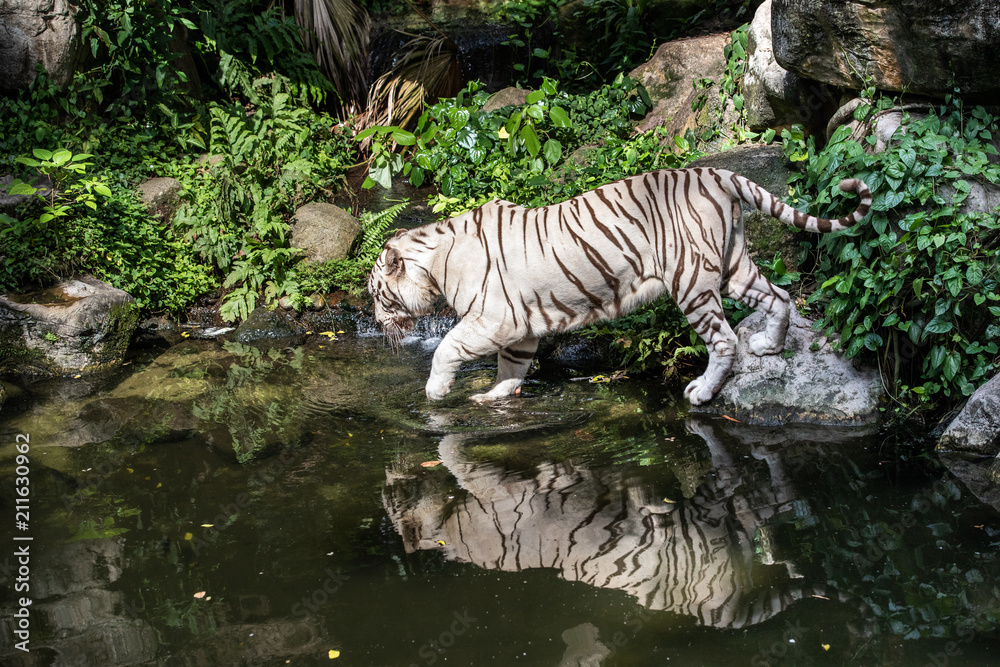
691	557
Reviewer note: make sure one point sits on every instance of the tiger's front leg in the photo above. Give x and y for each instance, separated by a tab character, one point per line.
513	362
467	341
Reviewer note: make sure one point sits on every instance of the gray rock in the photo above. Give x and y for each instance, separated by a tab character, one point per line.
269	326
161	196
976	429
764	165
37	31
773	96
915	46
324	231
506	97
78	326
669	79
807	384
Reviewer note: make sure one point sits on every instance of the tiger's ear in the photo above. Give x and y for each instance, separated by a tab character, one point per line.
399	232
393	262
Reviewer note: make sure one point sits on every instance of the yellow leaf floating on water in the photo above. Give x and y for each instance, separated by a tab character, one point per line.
185	334
826	647
188	536
328	334
334	654
430	464
668	500
340	332
207	525
199	595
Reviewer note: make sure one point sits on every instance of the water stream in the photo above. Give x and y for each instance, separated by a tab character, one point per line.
219	504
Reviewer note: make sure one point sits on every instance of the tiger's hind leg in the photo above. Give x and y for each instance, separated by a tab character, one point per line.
748	285
513	362
705	314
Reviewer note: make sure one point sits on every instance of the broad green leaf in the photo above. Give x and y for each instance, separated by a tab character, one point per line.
552	150
559	117
42	154
530	140
535	96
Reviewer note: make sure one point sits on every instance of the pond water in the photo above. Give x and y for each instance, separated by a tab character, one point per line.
219	504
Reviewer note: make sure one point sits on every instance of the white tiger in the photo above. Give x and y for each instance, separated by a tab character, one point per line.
514	274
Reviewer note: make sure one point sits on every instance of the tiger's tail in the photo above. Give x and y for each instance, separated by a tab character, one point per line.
765	202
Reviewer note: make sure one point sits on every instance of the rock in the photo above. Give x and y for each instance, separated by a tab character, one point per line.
506	97
976	429
268	326
8	202
767	167
78	326
37	31
162	197
324	231
813	385
669	79
917	46
773	96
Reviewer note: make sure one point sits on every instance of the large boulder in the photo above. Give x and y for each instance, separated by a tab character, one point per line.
773	96
915	46
37	31
324	231
976	429
808	383
78	326
507	97
669	77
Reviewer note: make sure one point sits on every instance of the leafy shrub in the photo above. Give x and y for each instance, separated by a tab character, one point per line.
915	285
523	154
67	229
266	165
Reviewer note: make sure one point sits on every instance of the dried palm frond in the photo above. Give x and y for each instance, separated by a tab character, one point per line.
425	69
337	33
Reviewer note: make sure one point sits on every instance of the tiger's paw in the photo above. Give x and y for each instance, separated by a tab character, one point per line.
698	392
502	390
761	345
436	389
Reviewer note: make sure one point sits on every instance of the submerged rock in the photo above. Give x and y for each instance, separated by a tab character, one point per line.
78	326
808	383
268	326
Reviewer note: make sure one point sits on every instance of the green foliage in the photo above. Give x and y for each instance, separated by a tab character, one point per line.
249	44
654	337
915	285
523	154
62	230
132	43
265	166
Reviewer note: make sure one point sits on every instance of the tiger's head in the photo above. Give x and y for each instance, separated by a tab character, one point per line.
400	284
